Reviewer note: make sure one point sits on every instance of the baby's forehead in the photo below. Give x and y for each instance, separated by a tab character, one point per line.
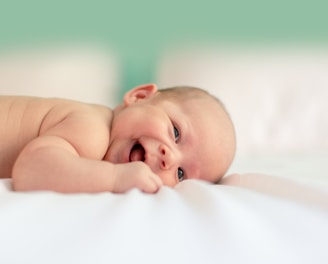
196	105
184	94
189	96
202	105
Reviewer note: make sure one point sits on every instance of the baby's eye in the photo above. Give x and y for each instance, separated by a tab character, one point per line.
180	174
176	134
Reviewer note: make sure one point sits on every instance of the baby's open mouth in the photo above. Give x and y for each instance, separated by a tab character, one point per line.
137	153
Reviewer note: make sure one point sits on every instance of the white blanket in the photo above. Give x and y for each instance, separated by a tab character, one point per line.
249	218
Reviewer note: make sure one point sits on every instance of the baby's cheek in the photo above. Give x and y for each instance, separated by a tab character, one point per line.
125	121
159	125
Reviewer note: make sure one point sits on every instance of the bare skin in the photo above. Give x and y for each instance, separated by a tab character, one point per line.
68	146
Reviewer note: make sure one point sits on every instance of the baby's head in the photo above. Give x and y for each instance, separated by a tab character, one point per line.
215	130
180	132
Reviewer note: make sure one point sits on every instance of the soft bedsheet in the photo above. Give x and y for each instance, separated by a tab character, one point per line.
249	218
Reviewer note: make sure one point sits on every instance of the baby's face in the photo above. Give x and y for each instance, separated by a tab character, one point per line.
186	140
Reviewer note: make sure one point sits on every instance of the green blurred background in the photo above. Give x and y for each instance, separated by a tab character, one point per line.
139	31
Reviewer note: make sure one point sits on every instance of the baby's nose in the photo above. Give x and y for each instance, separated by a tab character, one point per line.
167	157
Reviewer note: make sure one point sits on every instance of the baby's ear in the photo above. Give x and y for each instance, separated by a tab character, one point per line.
139	93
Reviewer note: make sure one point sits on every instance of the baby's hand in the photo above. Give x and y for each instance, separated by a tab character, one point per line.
136	174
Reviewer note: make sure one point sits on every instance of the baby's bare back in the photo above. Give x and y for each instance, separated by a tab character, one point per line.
22	118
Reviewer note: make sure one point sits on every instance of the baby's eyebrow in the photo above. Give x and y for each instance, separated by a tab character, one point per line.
190	171
185	176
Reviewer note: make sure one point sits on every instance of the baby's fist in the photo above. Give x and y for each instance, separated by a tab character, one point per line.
136	175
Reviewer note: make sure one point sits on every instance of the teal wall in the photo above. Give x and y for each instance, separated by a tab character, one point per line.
139	30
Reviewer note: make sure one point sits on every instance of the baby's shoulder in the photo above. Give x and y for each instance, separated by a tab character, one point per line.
76	112
85	126
50	110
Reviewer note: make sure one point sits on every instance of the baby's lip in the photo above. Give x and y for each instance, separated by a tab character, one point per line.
137	152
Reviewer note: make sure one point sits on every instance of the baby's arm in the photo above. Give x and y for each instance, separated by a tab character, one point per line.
65	159
51	163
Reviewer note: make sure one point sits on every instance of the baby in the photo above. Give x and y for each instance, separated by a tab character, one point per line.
154	137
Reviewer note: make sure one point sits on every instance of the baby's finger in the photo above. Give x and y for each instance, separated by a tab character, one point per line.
151	185
158	181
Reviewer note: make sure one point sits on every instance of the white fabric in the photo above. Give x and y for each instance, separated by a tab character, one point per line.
81	72
305	167
194	223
